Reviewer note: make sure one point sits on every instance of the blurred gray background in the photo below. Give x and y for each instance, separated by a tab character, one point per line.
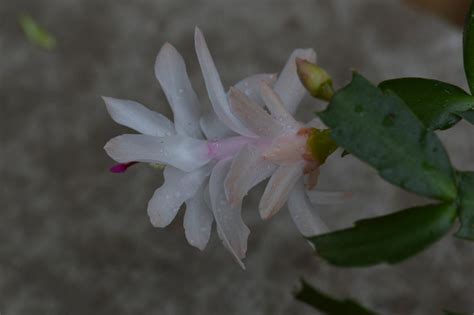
76	239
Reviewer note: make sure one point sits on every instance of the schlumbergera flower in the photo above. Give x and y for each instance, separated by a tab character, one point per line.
214	159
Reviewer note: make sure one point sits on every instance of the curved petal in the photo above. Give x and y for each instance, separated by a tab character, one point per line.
136	116
262	171
182	152
250	86
303	214
288	85
286	149
277	109
252	116
278	188
178	187
248	169
241	174
213	128
214	86
198	220
170	70
211	125
231	228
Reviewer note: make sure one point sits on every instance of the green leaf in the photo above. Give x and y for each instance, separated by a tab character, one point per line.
36	34
468	48
328	305
469	116
466	206
433	102
380	129
390	238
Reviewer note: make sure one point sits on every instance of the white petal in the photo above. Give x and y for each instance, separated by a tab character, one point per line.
250	86
232	229
182	152
248	169
207	198
262	171
213	128
319	197
178	187
277	109
241	176
170	70
316	123
303	214
287	149
136	116
278	188
288	85
198	220
252	116
211	125
214	87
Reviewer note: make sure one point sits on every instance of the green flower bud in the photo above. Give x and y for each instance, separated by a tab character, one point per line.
315	79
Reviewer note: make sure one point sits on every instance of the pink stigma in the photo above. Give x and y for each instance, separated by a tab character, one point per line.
121	167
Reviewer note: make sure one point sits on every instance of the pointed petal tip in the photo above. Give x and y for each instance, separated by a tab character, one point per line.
300	63
167	48
201	247
198	35
239	256
109	146
233	92
200	43
197	30
310	54
113	104
266	213
108	101
163	53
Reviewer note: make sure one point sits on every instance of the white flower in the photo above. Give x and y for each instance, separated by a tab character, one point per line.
213	159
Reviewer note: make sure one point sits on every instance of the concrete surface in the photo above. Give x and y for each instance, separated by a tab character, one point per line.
76	239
